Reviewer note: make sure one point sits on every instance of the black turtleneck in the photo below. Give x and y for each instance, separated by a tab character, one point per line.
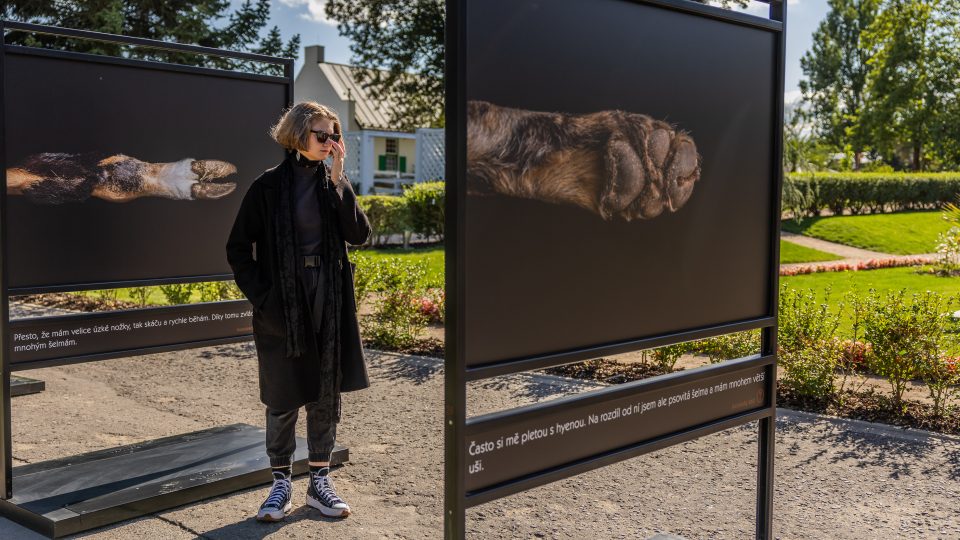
307	207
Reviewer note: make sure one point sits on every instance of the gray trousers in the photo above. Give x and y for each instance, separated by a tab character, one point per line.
281	434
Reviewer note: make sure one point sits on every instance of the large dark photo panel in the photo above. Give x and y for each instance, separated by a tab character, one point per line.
121	172
587	226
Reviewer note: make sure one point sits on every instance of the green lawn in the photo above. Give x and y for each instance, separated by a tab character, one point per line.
901	234
890	279
793	253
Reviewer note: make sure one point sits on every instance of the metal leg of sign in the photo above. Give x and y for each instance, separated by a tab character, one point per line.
6	456
455	391
766	437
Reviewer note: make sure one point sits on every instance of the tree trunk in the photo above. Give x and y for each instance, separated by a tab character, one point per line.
916	156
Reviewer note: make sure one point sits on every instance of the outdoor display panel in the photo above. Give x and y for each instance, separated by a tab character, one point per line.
564	118
122	172
126	172
614	171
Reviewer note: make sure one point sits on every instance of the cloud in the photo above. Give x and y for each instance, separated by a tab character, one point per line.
792	96
314	12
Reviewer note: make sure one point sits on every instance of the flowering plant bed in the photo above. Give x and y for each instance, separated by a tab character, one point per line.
873	406
869	264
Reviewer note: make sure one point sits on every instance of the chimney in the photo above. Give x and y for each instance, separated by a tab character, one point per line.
313	55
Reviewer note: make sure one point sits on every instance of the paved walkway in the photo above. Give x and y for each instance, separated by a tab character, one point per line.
850	255
847	252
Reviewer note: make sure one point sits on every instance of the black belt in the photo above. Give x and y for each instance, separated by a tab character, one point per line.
311	260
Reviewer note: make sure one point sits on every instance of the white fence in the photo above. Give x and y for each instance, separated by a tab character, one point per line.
430	164
360	168
351	167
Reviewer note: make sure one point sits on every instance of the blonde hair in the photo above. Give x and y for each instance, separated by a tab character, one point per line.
293	127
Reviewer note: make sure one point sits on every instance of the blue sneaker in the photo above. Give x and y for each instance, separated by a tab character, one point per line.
278	502
322	496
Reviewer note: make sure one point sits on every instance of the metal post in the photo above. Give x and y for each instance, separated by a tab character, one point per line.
455	391
6	449
767	430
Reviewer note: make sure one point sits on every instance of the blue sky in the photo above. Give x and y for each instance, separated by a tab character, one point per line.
305	17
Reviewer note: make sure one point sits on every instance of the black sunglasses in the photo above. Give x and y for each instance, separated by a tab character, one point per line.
322	136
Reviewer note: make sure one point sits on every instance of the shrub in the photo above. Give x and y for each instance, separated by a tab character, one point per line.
140	295
906	338
808	348
178	293
666	358
948	243
397	320
213	291
806	195
425	204
364	276
728	346
388	214
948	253
109	295
433	304
941	374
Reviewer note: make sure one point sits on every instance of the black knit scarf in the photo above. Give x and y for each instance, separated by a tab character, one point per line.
332	248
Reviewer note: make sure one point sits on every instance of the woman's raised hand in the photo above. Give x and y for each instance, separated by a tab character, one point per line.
339	150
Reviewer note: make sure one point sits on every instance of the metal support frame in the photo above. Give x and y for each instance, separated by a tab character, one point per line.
456	374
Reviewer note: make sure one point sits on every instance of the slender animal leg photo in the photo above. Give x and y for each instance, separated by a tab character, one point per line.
56	178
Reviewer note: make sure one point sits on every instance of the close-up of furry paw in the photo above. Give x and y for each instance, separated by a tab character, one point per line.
56	178
613	163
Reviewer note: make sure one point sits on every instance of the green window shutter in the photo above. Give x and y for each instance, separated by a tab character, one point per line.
403	163
381	163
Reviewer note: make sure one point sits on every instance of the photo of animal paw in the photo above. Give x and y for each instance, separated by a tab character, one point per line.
613	163
57	178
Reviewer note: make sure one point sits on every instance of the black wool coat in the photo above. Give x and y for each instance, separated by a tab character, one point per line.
289	383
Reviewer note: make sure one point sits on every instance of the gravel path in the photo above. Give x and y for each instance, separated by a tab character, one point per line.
835	479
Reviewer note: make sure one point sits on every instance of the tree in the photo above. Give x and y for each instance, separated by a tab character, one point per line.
400	43
180	21
801	151
836	74
912	83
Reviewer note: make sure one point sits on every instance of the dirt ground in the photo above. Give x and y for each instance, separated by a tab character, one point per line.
835	479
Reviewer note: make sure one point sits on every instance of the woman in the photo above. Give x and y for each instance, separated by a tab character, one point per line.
299	215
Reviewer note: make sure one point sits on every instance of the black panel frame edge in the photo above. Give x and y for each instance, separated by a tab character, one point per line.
138	63
141	42
456	374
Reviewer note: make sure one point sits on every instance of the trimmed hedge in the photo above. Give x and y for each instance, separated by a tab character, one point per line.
807	194
419	210
388	214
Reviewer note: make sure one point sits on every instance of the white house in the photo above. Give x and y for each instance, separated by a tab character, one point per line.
379	157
